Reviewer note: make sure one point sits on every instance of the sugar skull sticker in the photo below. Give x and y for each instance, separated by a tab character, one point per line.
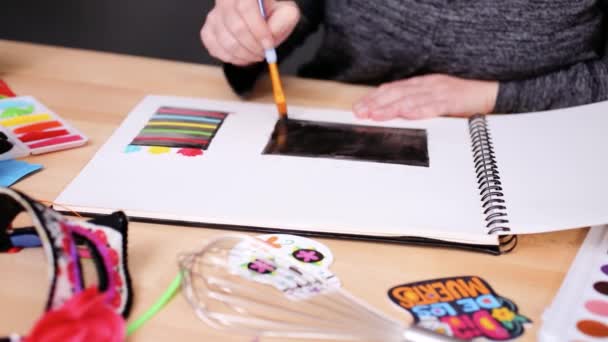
311	255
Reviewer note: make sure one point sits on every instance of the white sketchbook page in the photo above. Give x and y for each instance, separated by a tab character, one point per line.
554	167
233	183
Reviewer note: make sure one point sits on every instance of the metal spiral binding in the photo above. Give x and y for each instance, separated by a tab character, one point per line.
488	178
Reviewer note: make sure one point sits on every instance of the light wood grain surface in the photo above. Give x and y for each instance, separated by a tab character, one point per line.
94	92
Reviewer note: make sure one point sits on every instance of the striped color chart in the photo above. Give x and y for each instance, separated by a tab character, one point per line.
180	127
37	127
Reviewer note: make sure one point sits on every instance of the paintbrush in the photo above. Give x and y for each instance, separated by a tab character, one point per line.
277	87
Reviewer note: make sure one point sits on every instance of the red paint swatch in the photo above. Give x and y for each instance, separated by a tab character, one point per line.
190	152
56	141
185	140
5	90
593	328
33	136
37	127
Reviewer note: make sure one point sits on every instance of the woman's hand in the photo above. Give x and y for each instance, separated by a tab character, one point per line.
235	31
428	96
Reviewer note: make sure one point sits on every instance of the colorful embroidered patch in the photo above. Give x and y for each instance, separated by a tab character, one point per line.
105	238
461	307
184	128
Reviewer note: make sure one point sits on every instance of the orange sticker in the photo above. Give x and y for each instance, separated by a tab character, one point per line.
463	307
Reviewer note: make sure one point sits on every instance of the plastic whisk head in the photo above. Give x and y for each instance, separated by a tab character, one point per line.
243	285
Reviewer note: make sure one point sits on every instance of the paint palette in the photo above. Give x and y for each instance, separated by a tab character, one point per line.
31	128
579	312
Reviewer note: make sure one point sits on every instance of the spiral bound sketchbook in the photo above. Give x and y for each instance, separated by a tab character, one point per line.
467	183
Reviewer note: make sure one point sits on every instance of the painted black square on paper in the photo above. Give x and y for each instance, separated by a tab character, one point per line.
301	138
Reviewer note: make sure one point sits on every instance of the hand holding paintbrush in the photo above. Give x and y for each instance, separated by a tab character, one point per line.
244	32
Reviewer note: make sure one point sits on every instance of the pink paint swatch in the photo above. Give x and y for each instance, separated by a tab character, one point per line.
56	141
598	307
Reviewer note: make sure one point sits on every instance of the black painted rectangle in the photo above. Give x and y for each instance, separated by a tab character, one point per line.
302	138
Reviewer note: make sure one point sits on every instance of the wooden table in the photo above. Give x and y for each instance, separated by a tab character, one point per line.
94	91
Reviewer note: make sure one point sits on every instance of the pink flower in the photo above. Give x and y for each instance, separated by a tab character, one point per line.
85	317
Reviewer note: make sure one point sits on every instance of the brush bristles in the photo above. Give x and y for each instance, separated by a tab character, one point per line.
282	108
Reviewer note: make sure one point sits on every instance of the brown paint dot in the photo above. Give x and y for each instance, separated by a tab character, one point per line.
601	287
592	328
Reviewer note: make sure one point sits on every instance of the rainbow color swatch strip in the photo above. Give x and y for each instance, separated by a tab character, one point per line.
579	312
39	129
180	128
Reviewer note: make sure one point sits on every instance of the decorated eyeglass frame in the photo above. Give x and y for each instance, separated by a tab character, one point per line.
104	237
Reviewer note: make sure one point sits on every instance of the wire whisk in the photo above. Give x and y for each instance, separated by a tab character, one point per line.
240	284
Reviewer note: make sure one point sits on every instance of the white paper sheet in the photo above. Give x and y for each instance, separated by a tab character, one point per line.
234	183
554	167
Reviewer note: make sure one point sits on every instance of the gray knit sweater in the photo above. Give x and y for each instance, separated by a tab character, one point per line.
545	53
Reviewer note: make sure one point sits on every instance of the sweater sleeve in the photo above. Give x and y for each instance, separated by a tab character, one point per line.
243	79
579	84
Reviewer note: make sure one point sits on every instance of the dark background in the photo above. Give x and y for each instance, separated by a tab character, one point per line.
166	29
